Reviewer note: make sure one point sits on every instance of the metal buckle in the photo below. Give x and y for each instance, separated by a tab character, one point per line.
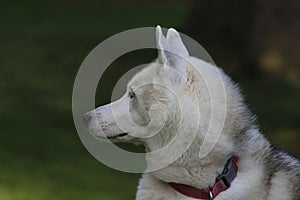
211	197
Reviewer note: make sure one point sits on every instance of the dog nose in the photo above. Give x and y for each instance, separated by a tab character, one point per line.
86	118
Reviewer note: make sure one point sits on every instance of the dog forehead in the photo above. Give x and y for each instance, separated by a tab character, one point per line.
144	77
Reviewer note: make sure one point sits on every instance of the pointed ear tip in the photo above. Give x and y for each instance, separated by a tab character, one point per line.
158	31
172	33
158	28
172	30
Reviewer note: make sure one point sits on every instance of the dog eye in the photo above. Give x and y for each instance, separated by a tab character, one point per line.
131	94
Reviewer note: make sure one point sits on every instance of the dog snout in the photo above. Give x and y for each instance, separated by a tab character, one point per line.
87	118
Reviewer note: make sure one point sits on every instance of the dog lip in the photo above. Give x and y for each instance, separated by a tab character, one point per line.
118	136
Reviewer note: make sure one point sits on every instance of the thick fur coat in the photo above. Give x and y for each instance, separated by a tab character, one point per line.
184	93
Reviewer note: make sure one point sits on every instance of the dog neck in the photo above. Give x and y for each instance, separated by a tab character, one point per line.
189	169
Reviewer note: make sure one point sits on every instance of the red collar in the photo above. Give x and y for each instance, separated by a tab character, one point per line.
223	182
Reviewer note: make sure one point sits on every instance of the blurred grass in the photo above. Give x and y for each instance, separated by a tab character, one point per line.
276	106
42	47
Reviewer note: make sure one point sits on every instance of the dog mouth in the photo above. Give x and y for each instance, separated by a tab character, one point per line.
117	136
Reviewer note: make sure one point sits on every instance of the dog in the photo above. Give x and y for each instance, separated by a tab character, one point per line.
183	97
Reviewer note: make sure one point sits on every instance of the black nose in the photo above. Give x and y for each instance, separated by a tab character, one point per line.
86	118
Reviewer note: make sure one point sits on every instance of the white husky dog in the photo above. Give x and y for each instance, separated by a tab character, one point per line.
176	97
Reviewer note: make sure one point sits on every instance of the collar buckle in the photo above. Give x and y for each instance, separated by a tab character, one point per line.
229	171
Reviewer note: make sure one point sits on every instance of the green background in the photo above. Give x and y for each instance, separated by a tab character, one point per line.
42	45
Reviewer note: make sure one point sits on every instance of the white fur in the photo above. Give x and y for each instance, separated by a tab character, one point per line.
175	96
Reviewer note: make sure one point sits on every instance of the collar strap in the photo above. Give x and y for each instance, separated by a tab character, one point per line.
223	182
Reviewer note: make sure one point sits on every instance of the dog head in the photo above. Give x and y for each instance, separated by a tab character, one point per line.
154	97
175	94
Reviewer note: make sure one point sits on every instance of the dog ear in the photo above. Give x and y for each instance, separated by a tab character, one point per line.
162	47
176	43
171	51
